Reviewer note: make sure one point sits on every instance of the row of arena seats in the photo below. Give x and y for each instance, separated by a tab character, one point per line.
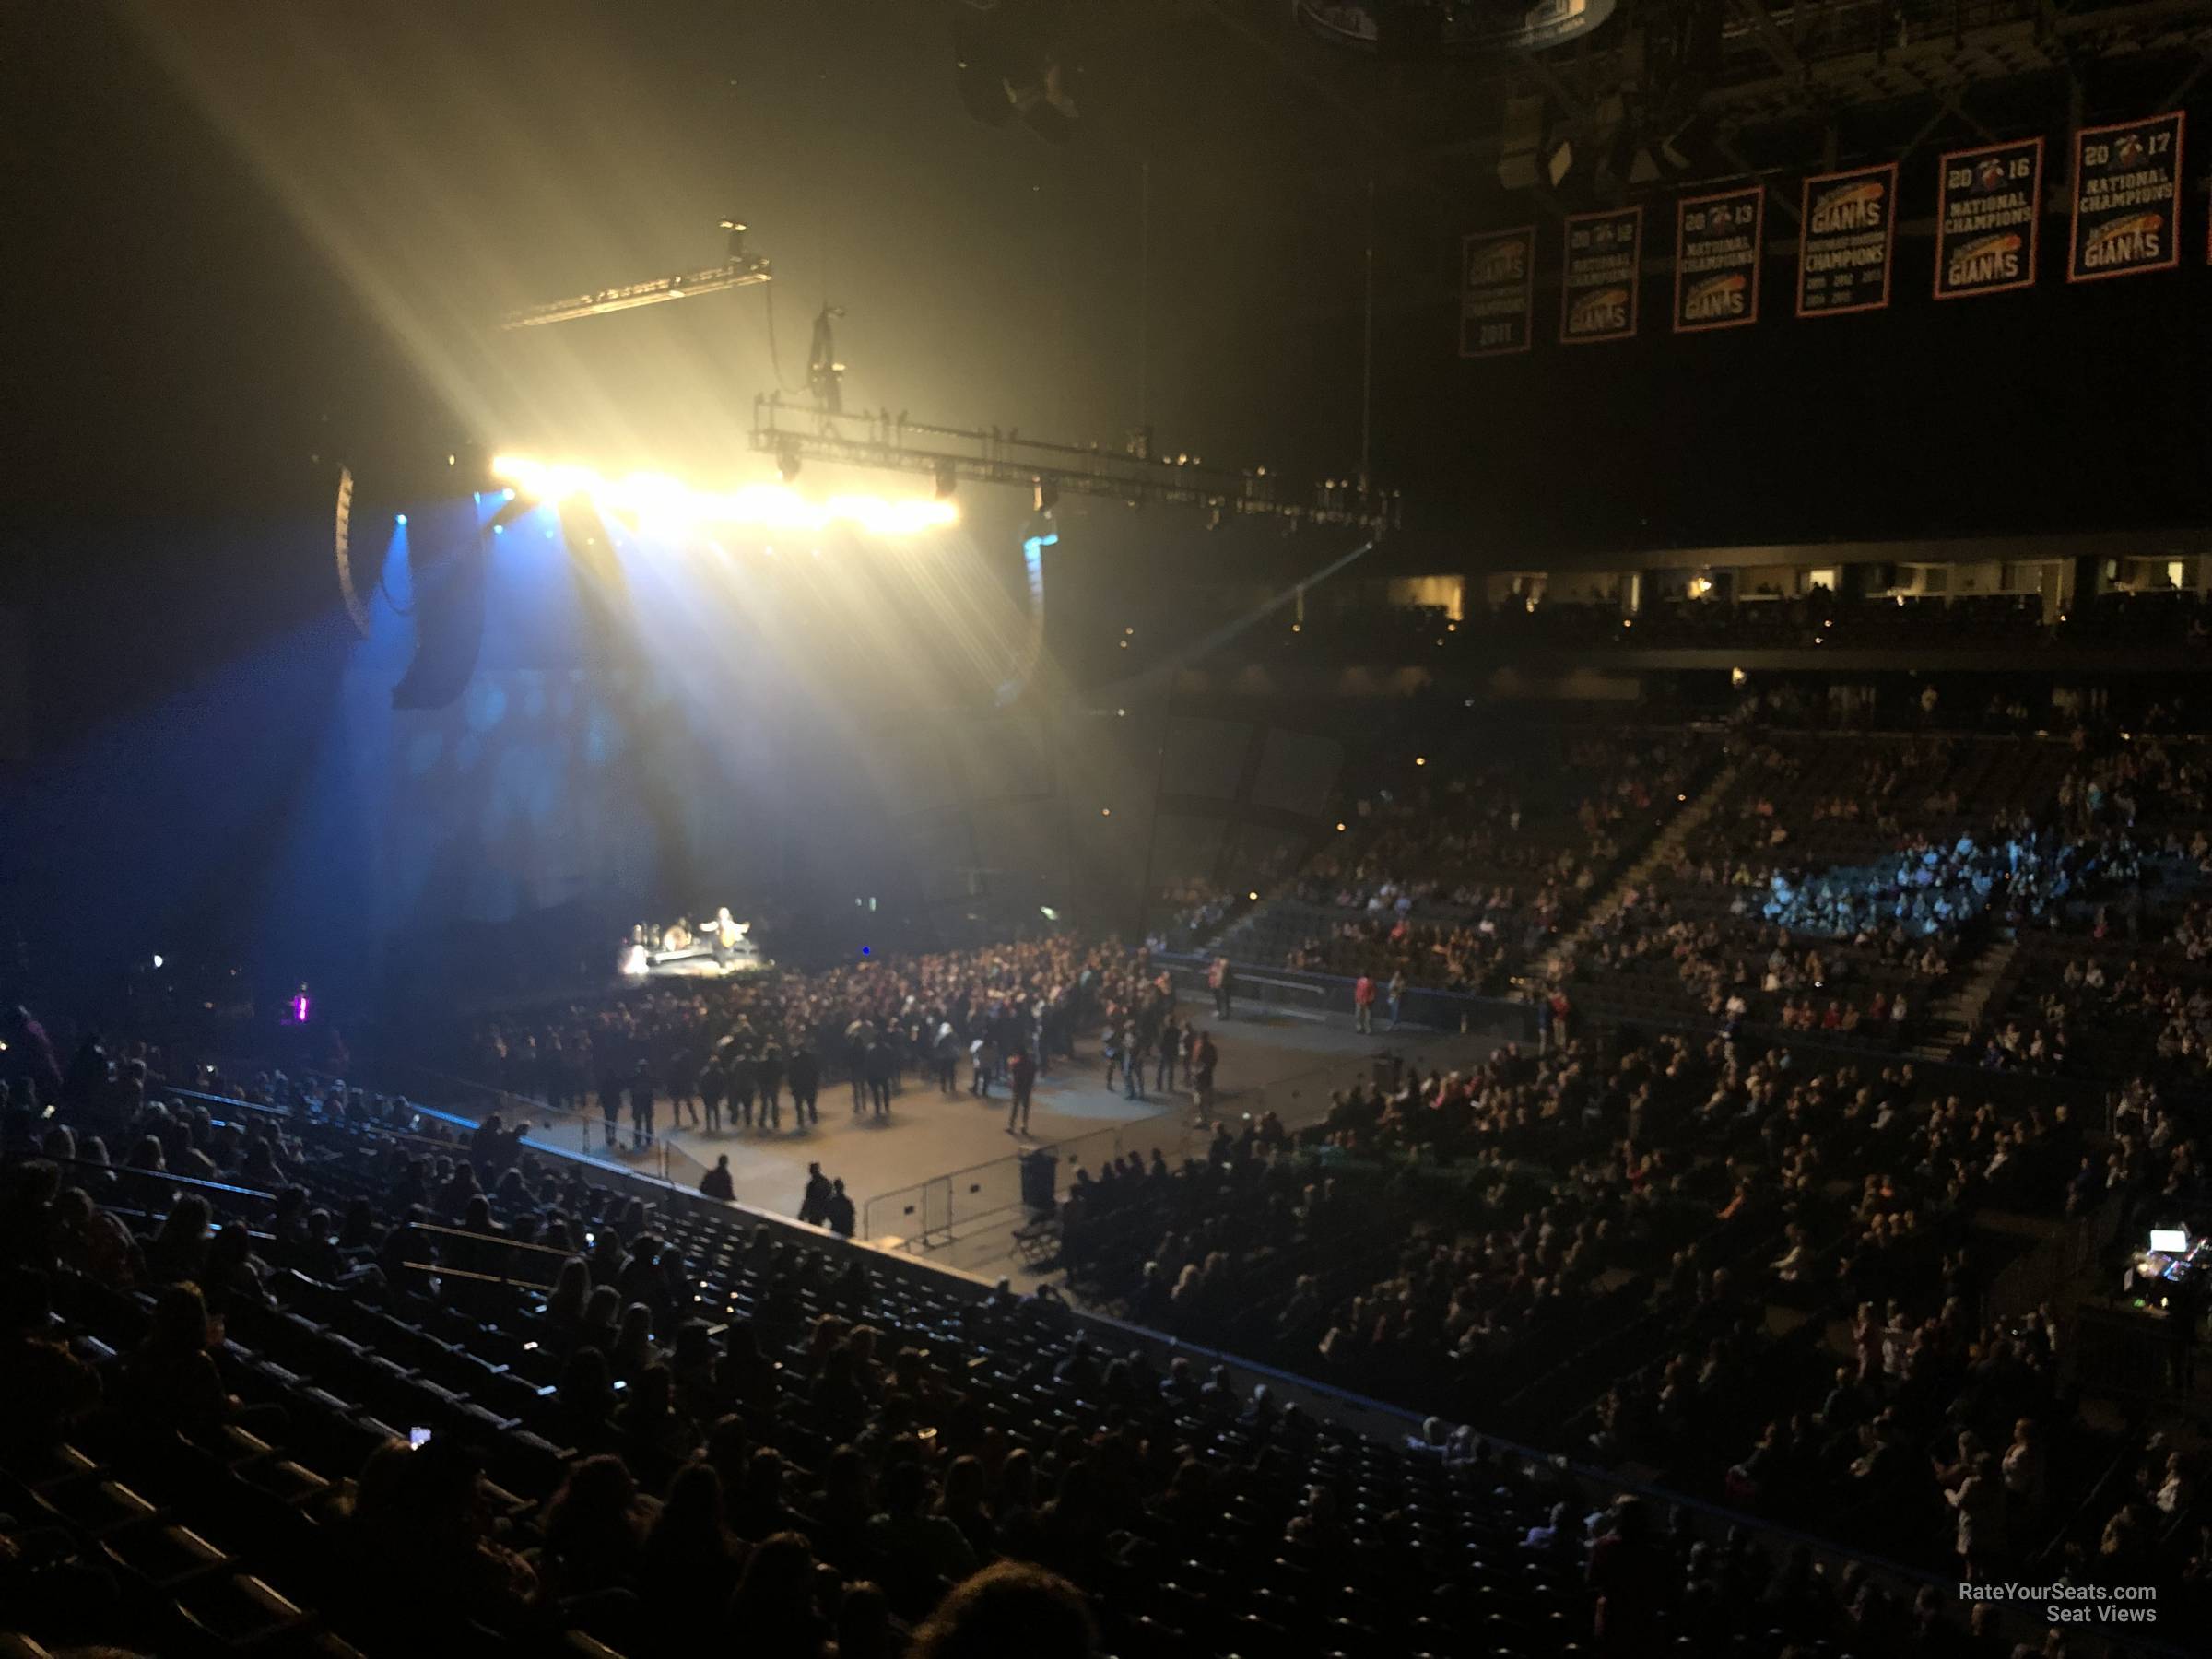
246	1533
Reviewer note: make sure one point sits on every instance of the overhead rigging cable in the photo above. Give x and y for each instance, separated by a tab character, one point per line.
1200	650
775	361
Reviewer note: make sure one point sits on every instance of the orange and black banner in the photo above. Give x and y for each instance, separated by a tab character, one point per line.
2127	199
1718	241
1599	276
1848	241
1497	292
1988	204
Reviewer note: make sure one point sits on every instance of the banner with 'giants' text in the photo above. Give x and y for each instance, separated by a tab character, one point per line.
1497	292
2127	199
1847	242
1717	248
1599	276
1988	202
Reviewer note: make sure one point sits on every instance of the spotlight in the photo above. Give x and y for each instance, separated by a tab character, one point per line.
787	461
400	519
1046	497
737	241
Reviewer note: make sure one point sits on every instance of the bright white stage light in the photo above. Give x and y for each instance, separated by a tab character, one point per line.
660	502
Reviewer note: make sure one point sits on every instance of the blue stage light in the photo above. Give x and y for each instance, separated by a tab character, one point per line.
400	519
506	495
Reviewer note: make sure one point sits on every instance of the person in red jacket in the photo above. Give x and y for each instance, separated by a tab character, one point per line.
1363	1004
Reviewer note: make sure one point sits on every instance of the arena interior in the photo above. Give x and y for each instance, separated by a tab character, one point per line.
1052	829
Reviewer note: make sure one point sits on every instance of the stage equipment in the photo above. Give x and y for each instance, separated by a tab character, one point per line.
739	269
659	501
715	949
949	456
1437	29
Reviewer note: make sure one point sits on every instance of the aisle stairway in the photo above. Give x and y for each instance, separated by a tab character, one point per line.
1666	847
1959	1012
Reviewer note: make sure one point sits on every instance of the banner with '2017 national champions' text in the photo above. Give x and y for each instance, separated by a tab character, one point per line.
2127	199
1847	242
1497	292
1988	202
1717	251
1600	275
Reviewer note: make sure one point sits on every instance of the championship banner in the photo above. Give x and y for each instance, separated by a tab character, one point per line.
1848	241
2127	199
1497	292
1988	204
1598	278
1717	247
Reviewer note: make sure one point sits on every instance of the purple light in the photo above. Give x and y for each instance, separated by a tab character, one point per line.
300	1007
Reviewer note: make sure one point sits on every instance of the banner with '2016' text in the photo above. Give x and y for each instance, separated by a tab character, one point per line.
1988	204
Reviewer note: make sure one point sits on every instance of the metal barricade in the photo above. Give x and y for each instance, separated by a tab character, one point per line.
944	1207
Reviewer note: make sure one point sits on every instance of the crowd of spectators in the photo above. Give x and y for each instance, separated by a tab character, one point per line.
1757	1274
357	1347
723	1048
646	1430
1463	876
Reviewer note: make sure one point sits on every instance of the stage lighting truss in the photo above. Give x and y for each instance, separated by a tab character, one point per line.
662	504
949	456
739	271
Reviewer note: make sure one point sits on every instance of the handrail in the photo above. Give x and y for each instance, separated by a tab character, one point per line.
170	1092
162	1175
443	1271
461	1232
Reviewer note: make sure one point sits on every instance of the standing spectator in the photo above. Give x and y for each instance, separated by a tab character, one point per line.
856	1062
713	1081
683	1092
841	1217
771	1084
641	1107
880	1063
744	1080
1021	1077
1203	1057
1171	1049
983	1054
814	1207
945	1052
1631	1575
1397	997
805	1070
1363	1004
1223	979
716	1183
610	1107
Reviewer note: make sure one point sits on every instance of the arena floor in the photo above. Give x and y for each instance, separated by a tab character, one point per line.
1270	1060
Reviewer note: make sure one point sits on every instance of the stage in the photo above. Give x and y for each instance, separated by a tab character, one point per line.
1270	1061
